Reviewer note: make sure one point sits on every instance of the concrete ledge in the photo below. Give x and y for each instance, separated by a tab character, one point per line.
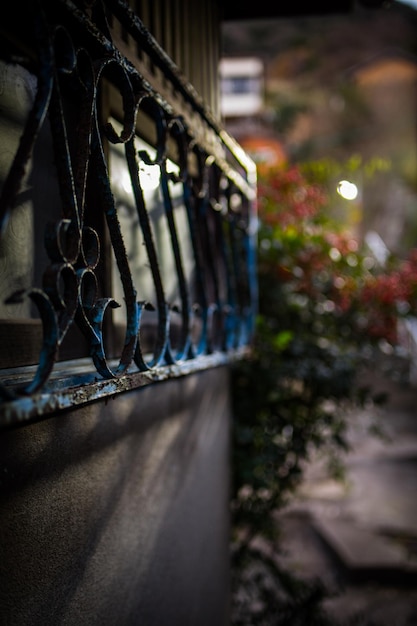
364	554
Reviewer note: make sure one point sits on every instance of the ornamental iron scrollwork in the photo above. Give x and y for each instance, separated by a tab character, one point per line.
74	58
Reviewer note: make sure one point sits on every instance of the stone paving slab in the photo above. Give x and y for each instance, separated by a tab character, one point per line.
359	536
365	554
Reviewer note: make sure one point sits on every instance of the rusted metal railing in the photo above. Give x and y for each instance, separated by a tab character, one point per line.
111	133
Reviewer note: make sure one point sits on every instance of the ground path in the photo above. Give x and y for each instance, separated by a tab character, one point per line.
359	536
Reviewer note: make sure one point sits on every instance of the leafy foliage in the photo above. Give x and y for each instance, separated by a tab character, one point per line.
271	596
324	307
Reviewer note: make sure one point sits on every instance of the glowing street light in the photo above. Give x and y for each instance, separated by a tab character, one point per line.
347	190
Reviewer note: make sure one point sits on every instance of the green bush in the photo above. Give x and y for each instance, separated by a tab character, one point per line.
324	307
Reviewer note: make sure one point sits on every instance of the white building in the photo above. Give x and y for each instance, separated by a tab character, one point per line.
241	81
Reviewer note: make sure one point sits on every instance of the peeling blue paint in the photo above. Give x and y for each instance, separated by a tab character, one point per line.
74	57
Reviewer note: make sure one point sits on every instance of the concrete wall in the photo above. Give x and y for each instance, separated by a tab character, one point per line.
117	514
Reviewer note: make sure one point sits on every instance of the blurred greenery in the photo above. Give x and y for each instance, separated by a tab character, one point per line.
325	306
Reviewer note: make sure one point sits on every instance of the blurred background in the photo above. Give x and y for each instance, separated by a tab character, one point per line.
325	427
337	85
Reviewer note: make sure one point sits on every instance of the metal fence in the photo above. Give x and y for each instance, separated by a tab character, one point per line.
125	213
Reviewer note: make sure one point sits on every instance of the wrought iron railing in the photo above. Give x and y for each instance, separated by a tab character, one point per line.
199	215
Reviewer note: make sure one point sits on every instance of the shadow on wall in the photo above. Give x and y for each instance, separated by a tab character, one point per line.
118	512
